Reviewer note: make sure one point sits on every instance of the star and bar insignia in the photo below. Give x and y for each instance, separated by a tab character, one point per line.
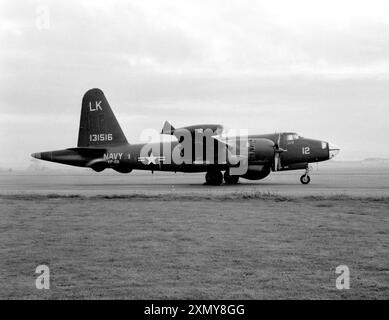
151	159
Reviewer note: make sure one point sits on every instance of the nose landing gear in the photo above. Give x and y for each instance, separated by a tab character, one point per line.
305	178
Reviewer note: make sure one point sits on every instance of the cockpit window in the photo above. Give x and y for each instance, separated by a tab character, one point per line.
292	137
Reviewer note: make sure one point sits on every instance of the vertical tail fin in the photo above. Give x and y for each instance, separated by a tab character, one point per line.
98	124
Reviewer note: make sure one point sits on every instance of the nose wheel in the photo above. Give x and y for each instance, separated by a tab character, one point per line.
305	178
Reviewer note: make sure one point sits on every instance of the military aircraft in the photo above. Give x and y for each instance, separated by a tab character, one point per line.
102	145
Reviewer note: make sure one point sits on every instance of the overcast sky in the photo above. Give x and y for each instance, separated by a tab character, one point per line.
320	68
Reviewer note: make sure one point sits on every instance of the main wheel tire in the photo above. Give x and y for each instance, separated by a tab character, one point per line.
214	178
305	179
228	179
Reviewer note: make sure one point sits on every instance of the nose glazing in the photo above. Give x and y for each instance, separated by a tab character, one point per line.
333	150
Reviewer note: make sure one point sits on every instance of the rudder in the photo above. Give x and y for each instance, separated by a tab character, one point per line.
98	124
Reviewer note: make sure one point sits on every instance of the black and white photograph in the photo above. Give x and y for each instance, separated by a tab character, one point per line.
214	152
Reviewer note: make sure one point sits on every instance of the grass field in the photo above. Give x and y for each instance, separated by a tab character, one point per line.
246	245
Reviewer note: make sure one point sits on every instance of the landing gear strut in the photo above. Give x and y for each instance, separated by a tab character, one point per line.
228	179
214	178
305	178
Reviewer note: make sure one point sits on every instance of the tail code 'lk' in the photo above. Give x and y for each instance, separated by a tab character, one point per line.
95	107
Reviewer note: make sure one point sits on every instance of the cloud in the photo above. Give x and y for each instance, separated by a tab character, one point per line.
264	65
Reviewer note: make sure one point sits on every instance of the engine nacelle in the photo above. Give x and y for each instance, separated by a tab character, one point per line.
260	150
256	172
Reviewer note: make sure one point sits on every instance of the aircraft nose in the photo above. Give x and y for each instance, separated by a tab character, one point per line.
36	155
333	150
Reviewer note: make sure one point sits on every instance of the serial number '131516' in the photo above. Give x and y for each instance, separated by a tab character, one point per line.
100	137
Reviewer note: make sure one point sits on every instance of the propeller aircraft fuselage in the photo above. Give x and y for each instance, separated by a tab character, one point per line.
198	148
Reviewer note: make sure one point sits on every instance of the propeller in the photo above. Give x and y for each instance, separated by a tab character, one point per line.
277	154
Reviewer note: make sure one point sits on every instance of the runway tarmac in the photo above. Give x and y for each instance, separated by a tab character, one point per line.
354	179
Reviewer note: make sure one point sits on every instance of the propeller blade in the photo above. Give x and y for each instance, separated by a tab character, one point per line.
277	152
276	162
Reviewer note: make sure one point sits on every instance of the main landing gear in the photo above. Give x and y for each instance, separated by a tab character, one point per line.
228	179
215	178
305	178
